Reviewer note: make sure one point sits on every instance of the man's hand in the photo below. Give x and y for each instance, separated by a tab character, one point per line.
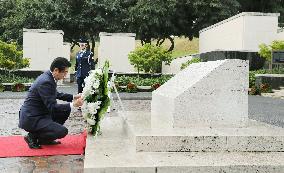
77	102
77	96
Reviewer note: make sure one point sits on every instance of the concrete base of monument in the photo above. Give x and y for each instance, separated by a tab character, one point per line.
128	144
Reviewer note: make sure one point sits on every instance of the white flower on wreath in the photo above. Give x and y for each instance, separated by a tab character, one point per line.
93	84
93	107
91	121
96	84
98	71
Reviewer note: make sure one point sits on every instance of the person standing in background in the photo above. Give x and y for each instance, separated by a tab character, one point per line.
84	63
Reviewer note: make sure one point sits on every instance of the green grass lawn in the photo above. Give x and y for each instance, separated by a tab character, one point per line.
183	46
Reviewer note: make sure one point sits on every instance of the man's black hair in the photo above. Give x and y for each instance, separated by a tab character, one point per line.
60	63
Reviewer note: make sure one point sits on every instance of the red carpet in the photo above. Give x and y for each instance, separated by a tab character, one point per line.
15	146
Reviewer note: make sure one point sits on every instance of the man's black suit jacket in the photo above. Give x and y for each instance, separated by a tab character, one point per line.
40	104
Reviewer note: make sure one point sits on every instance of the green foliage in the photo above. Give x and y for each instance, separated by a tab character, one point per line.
275	6
152	19
131	88
263	71
263	88
11	58
149	58
252	76
193	60
2	87
4	78
20	14
148	19
254	91
124	80
265	50
155	86
18	87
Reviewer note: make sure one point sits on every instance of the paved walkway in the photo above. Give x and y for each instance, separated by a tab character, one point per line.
265	109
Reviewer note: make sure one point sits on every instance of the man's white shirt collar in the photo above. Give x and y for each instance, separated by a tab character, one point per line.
53	77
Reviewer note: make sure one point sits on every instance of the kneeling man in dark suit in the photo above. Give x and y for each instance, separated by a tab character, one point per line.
40	114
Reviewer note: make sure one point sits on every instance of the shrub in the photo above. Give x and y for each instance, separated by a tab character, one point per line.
131	88
124	80
265	50
18	87
2	87
252	76
15	79
11	58
149	58
265	88
263	71
254	91
155	86
193	60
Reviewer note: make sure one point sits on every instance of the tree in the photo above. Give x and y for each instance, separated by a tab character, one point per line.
77	18
266	50
20	14
11	58
275	6
161	19
149	58
150	19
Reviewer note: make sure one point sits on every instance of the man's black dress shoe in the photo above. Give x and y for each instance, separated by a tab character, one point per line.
32	143
44	142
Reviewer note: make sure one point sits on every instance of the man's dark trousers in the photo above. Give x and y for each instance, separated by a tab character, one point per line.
81	83
54	130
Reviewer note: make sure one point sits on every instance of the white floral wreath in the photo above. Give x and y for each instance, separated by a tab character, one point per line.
96	96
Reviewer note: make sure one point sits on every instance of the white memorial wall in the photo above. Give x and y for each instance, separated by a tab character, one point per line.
242	32
43	46
115	47
280	35
175	65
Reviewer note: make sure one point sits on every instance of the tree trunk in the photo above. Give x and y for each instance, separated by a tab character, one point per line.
160	41
73	44
93	48
145	41
93	44
172	44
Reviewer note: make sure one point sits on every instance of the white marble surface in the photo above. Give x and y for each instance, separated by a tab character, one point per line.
204	94
115	152
256	136
242	32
